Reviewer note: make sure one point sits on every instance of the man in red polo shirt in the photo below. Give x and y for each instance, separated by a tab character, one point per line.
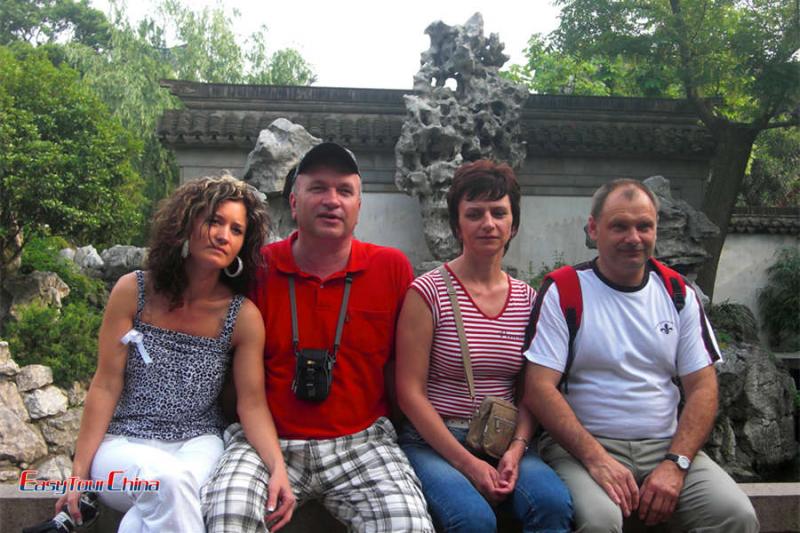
329	304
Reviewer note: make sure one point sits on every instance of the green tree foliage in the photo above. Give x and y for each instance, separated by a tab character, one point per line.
64	161
50	21
124	63
550	70
774	175
209	50
127	74
284	67
737	62
66	341
126	77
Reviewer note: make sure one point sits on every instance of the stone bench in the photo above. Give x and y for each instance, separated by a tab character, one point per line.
777	505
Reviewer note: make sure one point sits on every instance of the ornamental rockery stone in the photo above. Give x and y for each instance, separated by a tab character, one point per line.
462	111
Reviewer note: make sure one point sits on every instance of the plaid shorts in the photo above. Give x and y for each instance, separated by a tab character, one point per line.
364	480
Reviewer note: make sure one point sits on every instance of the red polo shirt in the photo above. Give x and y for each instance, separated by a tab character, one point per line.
381	276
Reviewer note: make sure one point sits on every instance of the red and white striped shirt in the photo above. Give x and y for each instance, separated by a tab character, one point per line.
495	344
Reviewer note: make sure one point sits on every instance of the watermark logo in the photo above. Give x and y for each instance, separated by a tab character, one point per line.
116	481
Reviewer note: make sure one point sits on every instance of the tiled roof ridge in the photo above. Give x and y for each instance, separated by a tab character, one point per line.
766	220
215	127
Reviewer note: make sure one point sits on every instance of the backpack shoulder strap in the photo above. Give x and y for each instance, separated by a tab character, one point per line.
571	301
673	281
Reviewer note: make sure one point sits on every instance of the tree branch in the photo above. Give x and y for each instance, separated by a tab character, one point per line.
706	115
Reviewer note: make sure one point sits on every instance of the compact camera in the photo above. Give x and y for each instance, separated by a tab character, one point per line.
313	374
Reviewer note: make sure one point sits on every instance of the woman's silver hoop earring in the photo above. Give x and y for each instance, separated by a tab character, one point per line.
239	268
185	249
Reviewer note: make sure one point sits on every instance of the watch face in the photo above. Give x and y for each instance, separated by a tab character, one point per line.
683	462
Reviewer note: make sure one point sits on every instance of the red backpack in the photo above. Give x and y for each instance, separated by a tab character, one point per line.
571	299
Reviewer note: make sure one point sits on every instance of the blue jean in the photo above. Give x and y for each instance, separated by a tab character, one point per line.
540	501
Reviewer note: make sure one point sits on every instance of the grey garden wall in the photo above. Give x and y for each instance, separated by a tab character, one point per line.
573	144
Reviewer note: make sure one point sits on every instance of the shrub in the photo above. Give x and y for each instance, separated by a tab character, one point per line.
779	301
65	341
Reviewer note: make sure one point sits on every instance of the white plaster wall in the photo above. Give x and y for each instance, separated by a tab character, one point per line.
549	226
742	270
393	219
553	226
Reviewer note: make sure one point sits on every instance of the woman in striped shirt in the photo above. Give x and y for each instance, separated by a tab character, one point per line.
462	488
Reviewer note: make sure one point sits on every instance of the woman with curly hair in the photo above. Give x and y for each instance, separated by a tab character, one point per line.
167	339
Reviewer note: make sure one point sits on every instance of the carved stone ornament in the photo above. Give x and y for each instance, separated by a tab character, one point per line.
463	111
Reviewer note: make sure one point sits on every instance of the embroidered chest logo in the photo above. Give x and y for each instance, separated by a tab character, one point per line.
666	327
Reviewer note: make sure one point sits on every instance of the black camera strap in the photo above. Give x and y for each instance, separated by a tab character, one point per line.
348	281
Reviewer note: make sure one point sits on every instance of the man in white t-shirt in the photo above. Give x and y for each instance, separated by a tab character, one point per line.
614	435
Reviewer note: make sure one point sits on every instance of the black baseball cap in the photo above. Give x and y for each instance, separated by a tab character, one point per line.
327	152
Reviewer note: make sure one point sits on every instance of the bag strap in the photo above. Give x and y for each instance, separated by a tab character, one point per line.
571	302
673	281
348	281
462	336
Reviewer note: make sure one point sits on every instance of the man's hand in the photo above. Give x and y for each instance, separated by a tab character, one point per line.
660	492
617	481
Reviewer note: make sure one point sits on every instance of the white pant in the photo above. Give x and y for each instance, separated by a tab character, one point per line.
181	467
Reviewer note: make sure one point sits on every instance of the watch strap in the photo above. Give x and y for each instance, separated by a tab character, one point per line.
678	459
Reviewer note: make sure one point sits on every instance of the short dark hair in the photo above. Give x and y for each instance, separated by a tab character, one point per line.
173	222
601	195
483	179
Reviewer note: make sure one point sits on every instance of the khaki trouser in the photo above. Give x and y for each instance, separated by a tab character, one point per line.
710	500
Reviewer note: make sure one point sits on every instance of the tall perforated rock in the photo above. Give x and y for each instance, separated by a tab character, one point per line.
754	431
277	151
463	111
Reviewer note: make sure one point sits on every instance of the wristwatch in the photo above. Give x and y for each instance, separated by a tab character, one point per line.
682	461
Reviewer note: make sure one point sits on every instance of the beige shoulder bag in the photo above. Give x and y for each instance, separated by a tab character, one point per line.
491	428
